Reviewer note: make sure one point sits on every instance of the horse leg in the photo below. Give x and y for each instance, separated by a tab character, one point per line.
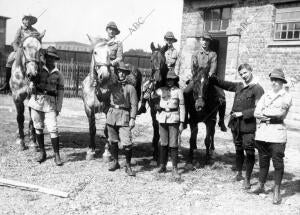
92	130
193	144
20	119
155	138
209	139
31	132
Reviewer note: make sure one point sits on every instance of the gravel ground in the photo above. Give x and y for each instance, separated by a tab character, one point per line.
208	189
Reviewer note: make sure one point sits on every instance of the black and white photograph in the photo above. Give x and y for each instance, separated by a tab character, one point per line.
149	107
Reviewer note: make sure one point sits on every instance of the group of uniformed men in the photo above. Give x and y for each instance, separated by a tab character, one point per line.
250	105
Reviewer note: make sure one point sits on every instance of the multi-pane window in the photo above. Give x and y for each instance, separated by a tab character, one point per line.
217	19
287	24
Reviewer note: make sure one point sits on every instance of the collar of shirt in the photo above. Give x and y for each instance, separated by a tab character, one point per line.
112	41
202	51
253	82
53	70
272	95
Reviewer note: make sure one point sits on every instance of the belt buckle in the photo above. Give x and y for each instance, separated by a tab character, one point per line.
117	106
167	109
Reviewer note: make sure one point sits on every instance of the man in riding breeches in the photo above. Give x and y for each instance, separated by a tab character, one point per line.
24	31
46	103
120	118
205	61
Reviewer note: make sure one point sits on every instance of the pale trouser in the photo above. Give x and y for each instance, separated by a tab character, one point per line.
40	119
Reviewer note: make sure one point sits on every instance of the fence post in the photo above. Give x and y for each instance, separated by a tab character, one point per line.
77	79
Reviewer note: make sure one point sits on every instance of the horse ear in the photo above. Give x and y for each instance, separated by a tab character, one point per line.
152	47
91	39
158	47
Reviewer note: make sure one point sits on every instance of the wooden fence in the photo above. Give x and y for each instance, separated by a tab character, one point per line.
75	72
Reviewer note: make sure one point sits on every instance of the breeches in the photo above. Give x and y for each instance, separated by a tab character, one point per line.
169	134
267	151
243	141
40	119
119	133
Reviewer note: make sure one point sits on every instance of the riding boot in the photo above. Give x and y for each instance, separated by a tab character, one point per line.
128	155
142	109
222	110
163	159
278	174
5	86
239	159
42	153
55	145
174	157
259	189
250	160
114	150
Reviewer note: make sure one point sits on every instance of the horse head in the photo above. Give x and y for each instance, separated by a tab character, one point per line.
158	64
29	56
200	89
100	64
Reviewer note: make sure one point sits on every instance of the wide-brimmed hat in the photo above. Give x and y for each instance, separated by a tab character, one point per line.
170	36
124	67
32	19
171	75
206	35
278	74
113	25
52	52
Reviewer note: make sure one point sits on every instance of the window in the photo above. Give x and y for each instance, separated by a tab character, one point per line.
217	19
287	24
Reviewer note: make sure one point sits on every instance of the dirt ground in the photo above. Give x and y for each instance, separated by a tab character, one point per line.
208	189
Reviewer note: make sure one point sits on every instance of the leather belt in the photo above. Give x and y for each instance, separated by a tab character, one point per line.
273	121
46	92
120	107
169	109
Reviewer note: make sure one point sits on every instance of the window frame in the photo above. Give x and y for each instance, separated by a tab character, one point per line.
211	19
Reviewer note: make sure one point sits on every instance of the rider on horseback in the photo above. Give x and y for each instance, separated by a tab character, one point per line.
115	46
171	57
23	32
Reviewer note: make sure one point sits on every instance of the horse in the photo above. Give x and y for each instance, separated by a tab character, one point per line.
95	89
206	101
24	70
158	78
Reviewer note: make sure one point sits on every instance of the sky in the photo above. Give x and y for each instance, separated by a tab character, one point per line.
71	20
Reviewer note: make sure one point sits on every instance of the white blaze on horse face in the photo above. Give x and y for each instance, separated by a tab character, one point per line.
31	47
101	60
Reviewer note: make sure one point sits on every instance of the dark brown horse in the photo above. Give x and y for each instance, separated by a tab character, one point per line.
206	102
159	72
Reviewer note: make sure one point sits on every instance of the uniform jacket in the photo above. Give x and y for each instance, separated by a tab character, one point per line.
206	62
170	98
21	34
115	51
277	106
48	82
122	95
245	99
171	57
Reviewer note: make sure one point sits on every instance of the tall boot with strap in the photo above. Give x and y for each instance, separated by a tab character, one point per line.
5	86
42	153
55	145
174	157
163	159
278	174
114	150
128	155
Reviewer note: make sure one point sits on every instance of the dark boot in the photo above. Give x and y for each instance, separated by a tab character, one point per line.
250	160
142	109
239	176
174	157
163	159
114	150
5	86
128	155
222	110
278	174
276	195
259	189
55	145
239	160
42	153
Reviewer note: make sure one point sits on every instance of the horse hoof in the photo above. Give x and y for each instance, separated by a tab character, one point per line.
90	155
21	143
34	146
106	158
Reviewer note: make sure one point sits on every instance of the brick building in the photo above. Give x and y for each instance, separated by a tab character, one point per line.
3	20
263	33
